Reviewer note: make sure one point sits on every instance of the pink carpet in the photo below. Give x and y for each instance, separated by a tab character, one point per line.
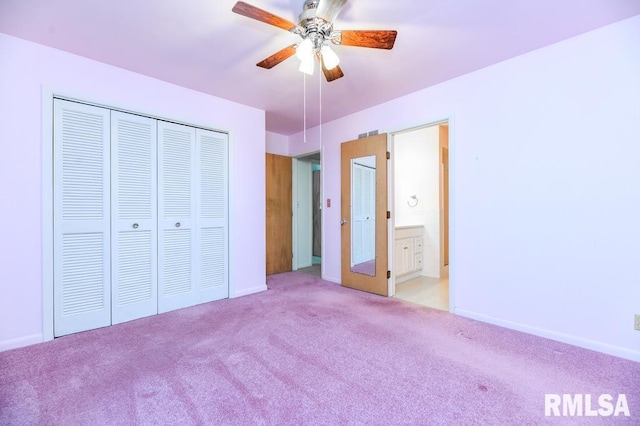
304	352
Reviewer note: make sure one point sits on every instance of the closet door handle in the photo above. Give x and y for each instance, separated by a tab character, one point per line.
178	225
135	226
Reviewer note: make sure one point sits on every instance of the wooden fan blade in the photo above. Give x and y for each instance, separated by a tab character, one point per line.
375	39
332	74
329	9
278	57
244	9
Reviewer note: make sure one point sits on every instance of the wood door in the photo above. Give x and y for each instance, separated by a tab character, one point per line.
376	280
444	159
279	213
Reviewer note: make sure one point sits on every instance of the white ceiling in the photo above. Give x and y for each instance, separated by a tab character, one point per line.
202	45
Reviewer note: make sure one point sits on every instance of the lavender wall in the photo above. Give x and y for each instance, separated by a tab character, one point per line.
277	144
545	195
26	71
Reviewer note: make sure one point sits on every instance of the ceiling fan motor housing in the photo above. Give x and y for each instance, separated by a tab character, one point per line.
310	26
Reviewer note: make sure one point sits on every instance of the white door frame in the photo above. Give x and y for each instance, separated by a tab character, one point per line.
302	222
448	119
299	223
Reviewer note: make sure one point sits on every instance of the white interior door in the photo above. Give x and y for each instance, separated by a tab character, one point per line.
212	236
134	261
82	283
176	207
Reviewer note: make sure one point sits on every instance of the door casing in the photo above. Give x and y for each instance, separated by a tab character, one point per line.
434	121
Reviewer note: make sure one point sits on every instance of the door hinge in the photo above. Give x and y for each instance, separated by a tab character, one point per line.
388	274
388	214
388	155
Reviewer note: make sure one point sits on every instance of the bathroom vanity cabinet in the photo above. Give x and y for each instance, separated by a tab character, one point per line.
408	246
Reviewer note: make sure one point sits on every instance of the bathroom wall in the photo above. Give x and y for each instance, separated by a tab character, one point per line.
417	172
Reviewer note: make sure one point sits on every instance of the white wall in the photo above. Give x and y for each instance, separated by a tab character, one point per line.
416	158
26	71
545	194
277	144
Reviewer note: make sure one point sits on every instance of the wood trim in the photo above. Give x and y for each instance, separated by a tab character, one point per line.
444	191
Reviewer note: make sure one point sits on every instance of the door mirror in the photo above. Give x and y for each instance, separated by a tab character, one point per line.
363	215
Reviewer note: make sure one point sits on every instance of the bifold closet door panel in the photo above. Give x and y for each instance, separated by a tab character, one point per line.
81	192
212	215
177	263
134	258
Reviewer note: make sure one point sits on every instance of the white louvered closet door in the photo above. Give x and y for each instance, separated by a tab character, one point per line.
133	217
81	286
177	262
212	215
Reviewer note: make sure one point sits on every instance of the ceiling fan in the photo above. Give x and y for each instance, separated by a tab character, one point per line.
315	27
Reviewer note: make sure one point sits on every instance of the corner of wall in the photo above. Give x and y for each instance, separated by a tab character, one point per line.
276	143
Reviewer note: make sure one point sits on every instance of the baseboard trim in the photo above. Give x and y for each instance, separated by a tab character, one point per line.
248	291
593	345
408	277
6	345
332	279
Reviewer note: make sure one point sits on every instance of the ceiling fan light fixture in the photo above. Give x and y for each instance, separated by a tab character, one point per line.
306	54
329	57
307	65
304	49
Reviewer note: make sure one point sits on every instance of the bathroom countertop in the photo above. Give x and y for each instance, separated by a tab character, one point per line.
409	226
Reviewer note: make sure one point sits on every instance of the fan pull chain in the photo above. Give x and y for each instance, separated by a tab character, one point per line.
320	90
304	108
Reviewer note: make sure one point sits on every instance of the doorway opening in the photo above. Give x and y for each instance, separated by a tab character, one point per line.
307	213
421	205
